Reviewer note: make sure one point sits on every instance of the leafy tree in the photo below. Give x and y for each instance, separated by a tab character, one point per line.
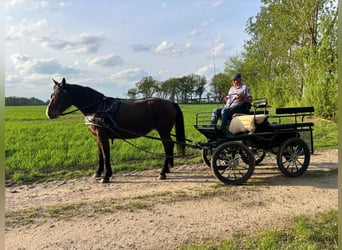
170	88
132	93
220	83
233	65
185	88
292	54
147	86
199	84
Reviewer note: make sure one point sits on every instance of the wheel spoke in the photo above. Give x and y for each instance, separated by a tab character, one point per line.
293	157
229	163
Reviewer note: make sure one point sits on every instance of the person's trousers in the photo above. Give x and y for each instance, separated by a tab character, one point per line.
226	113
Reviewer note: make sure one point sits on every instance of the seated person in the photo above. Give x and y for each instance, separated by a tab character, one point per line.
238	100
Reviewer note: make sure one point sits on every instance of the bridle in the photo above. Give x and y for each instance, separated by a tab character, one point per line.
64	92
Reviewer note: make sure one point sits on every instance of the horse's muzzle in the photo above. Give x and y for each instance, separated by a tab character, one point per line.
52	114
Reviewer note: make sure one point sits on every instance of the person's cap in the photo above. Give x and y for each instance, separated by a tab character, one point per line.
236	76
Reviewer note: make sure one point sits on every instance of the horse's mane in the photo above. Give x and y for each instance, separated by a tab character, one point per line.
84	92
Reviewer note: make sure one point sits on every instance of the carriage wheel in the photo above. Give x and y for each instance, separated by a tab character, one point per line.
293	157
259	155
206	155
228	164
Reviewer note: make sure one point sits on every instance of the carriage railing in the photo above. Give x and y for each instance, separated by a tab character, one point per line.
203	118
259	106
298	113
293	118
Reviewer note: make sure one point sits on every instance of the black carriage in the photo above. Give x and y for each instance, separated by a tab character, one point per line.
233	156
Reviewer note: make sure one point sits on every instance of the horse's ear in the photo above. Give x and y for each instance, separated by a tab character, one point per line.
54	81
63	82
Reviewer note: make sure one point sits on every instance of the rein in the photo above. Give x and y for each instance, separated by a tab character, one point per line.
146	136
75	110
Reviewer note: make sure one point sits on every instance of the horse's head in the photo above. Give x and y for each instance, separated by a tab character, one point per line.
60	100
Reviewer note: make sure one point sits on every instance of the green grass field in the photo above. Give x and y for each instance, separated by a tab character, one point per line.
37	148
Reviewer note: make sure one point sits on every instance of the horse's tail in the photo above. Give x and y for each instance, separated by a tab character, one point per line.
180	131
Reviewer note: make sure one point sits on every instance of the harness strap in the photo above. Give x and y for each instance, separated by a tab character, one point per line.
84	107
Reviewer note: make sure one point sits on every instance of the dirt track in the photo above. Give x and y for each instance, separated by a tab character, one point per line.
136	211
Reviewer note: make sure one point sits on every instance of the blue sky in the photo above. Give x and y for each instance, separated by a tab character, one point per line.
110	45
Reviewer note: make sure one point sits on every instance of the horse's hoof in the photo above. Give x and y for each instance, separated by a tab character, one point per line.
105	180
96	175
162	177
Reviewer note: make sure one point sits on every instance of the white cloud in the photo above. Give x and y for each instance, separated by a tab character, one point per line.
164	46
25	29
111	60
216	4
188	46
172	50
141	47
86	43
28	66
14	4
218	49
12	78
128	75
36	5
53	44
82	44
195	33
206	70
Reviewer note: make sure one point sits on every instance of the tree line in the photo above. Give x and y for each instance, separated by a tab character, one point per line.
23	101
182	89
290	58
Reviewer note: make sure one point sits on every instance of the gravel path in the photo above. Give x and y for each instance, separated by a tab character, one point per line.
136	211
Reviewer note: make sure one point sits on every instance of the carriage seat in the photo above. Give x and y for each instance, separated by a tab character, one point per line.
245	123
298	113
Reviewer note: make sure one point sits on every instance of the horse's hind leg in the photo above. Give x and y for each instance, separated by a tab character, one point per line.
100	168
168	147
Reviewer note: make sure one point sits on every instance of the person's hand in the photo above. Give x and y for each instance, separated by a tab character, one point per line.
241	97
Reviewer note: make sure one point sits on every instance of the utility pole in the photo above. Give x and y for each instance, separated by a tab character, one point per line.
214	60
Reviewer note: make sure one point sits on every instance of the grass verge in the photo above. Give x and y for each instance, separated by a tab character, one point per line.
303	232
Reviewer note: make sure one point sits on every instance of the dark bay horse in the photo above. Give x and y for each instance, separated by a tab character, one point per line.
128	120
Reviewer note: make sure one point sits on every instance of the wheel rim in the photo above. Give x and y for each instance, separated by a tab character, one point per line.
229	164
293	157
206	155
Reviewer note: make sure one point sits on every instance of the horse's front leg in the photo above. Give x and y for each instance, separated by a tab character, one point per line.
168	162
104	159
